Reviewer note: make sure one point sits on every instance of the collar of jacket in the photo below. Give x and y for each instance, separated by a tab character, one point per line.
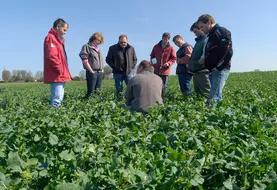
160	44
91	45
200	37
55	33
119	47
213	29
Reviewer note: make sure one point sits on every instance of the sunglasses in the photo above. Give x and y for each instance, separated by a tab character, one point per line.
123	42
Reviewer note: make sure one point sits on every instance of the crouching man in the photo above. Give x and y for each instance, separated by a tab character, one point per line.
144	90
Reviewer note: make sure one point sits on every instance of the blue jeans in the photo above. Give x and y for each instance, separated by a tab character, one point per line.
217	79
165	82
118	79
184	82
94	82
57	93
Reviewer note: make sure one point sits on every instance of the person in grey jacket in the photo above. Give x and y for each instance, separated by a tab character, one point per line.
122	59
144	90
93	62
201	80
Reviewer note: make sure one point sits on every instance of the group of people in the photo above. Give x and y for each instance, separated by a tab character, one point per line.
208	63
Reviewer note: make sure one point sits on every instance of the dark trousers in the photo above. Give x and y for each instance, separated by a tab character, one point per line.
94	82
165	82
201	83
184	82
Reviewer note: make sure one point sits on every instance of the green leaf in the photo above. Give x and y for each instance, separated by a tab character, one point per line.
65	155
68	186
232	166
14	160
43	173
141	174
228	184
2	154
53	139
272	186
91	148
197	180
8	129
31	162
2	177
36	138
174	170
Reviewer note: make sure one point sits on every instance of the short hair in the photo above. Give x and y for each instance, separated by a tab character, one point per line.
177	37
205	18
59	21
123	36
146	65
166	34
97	36
194	25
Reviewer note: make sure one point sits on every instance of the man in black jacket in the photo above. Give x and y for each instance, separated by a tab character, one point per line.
217	55
122	59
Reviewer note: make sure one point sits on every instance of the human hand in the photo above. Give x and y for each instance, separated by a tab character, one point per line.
214	69
201	61
165	66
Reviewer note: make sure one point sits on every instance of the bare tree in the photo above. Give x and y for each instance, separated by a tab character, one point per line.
39	76
15	75
23	74
107	71
6	75
29	77
82	75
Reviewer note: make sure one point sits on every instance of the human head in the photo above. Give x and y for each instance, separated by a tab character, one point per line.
96	38
165	37
60	26
145	65
206	23
178	40
123	40
196	30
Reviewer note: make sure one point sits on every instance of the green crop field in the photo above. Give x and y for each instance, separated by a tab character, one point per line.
100	145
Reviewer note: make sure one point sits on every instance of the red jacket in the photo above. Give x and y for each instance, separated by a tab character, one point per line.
163	56
55	61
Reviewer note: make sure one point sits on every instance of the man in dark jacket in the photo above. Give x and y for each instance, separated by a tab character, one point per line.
122	59
201	80
218	54
183	55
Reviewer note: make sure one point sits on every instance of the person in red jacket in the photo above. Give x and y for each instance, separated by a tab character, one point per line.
162	57
56	71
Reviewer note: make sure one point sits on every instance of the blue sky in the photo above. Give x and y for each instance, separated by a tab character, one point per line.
24	25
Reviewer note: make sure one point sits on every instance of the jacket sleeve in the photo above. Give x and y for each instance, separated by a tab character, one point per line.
109	58
129	96
152	54
172	57
225	49
135	59
185	59
84	54
51	54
